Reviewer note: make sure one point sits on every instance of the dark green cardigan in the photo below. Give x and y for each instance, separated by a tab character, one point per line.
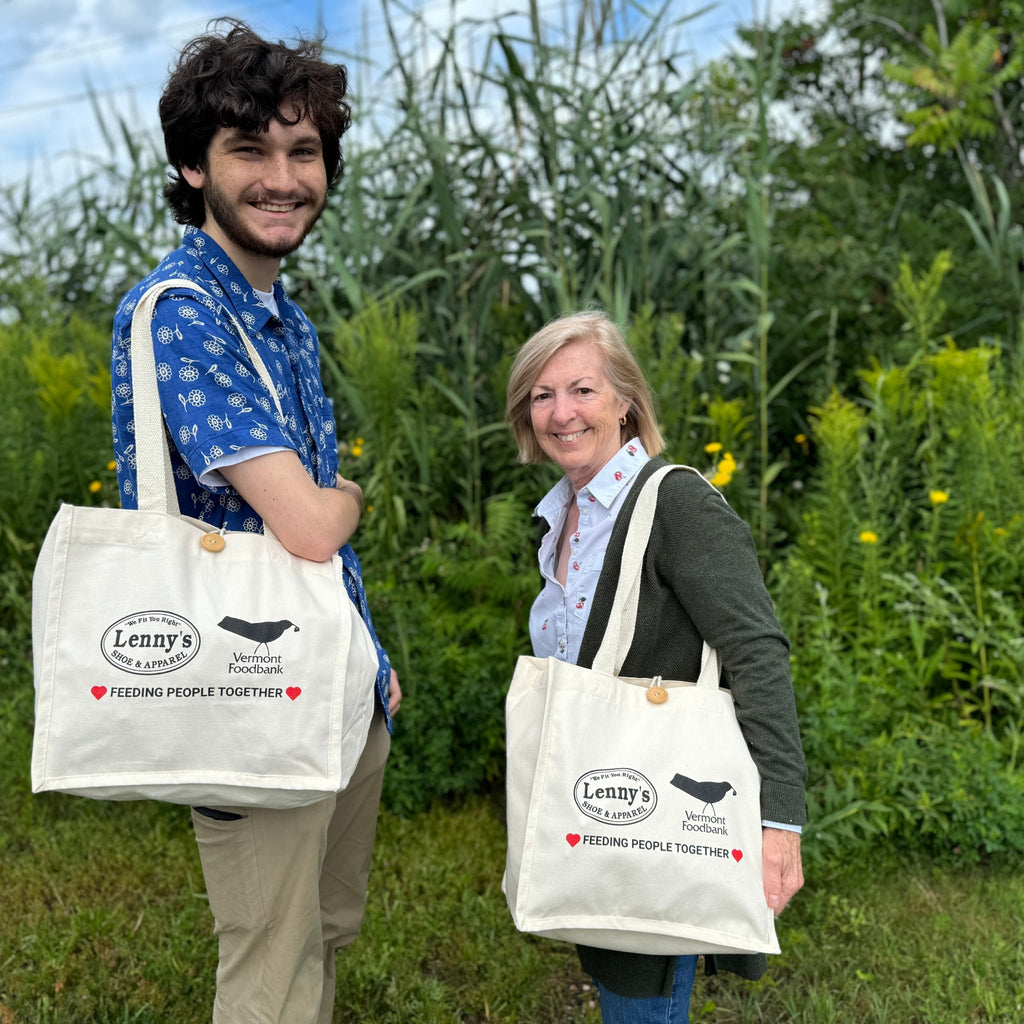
701	578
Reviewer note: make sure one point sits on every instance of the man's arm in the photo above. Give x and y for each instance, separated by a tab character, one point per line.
310	521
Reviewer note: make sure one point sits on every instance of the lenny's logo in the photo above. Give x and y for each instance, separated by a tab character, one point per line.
149	643
615	796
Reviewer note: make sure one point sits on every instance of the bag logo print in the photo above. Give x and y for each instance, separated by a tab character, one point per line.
572	838
150	643
99	692
262	633
615	796
709	793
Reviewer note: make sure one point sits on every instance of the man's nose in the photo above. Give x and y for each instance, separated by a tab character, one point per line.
278	175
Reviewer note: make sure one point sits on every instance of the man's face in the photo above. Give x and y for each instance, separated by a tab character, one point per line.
263	190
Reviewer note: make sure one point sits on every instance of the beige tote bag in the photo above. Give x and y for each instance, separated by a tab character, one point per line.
177	663
633	805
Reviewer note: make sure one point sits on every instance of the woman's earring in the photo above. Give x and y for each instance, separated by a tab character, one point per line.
622	421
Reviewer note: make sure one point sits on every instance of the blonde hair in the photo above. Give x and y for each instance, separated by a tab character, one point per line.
620	366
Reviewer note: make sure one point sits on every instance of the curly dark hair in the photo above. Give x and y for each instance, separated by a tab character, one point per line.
232	78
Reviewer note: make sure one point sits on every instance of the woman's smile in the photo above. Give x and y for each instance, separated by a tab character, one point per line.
575	412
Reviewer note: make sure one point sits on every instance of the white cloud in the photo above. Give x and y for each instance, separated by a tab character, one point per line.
59	52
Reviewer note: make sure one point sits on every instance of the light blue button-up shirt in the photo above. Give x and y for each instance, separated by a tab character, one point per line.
559	616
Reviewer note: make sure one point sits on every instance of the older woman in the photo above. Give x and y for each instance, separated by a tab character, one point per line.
576	396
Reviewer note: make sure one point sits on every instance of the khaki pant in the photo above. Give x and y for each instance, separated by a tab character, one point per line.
287	889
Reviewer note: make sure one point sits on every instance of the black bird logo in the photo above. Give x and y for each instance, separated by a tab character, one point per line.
709	792
262	632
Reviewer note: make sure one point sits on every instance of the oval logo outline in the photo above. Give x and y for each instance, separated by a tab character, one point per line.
185	648
601	793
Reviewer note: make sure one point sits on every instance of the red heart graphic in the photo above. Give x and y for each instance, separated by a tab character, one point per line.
572	838
98	691
737	855
293	692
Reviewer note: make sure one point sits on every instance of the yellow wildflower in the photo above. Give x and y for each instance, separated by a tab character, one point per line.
95	487
357	450
800	439
938	497
868	537
712	448
111	465
724	470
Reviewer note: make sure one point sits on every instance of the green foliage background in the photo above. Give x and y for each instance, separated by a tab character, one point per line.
833	299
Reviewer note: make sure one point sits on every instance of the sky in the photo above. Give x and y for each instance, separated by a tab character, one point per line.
62	60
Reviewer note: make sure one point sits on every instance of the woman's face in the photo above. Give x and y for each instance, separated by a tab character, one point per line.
575	413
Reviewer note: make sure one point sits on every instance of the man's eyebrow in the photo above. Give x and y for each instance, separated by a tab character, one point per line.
243	135
311	138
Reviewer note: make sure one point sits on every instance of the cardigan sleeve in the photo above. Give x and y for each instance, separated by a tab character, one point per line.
701	579
704	554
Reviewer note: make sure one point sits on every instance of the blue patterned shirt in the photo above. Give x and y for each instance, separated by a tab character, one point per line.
214	403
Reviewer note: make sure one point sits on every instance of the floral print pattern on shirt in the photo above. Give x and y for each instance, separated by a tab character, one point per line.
213	400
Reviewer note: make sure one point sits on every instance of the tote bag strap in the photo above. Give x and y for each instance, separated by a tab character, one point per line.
622	620
155	480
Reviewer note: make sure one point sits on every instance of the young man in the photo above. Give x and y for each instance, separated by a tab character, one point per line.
252	131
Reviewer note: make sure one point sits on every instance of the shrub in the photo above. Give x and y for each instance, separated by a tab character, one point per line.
453	616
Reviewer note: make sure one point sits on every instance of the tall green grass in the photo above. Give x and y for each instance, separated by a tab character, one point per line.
561	163
103	919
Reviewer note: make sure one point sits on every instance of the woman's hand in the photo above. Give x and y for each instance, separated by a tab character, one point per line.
394	693
783	873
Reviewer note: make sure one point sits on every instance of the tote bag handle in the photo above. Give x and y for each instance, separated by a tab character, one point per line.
155	480
622	620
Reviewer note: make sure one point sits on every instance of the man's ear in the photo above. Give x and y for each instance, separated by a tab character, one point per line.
195	176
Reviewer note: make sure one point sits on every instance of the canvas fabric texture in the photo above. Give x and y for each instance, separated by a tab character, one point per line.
634	814
187	664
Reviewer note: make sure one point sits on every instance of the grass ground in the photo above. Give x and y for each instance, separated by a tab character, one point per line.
103	920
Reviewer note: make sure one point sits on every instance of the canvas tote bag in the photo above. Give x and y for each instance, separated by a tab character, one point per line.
185	664
633	804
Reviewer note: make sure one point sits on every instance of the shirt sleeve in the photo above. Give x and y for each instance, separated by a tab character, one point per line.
213	401
211	476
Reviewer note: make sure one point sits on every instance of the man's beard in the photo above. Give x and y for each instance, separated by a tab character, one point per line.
230	221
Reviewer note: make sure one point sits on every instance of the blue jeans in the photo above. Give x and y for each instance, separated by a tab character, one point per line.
675	1009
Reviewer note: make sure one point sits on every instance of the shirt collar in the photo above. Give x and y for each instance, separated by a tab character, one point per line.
238	291
609	483
617	472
